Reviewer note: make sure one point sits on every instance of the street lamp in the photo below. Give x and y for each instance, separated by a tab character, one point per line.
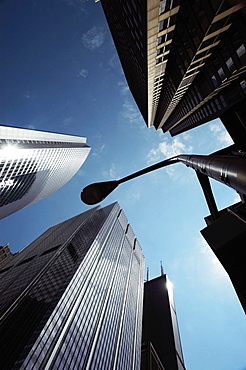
95	193
230	170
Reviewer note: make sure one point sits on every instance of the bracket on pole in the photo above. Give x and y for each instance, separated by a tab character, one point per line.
207	191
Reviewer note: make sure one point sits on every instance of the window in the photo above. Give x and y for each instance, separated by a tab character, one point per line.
230	65
218	103
213	106
222	74
243	86
241	52
203	20
161	26
214	80
222	99
162	6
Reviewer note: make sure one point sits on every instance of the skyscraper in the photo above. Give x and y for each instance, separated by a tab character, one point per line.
184	61
72	299
160	326
34	164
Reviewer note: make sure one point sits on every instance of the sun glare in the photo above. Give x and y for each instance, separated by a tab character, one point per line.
9	151
169	286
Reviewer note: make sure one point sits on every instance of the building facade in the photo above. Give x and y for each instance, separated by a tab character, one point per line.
149	358
160	337
184	61
5	254
72	299
34	164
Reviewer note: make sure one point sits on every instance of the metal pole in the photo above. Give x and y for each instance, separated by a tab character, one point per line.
229	170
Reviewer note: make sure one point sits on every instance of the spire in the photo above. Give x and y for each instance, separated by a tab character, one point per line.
147	274
162	270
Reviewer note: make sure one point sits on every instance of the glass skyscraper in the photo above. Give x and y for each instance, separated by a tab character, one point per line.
72	299
161	340
34	164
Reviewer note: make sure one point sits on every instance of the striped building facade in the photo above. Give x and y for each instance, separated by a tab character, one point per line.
35	164
73	298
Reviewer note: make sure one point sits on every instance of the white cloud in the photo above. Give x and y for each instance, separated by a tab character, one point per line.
130	112
214	265
168	149
80	173
131	198
30	127
186	136
79	4
111	173
220	133
27	95
67	121
83	73
204	247
93	38
124	88
114	62
98	150
172	172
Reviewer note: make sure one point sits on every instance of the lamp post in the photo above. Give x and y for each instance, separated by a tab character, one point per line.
230	170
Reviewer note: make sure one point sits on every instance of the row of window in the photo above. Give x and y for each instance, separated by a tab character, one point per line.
220	69
200	90
189	34
99	277
49	284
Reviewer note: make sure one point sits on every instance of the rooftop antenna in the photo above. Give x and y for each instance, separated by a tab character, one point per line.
147	274
162	270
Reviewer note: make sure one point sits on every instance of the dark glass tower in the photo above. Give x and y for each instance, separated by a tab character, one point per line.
184	60
160	338
72	299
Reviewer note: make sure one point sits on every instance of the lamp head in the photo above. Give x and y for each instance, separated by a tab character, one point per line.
95	193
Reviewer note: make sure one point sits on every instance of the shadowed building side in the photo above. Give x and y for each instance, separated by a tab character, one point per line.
160	326
184	61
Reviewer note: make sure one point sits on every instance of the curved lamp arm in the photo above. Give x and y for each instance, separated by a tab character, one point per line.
230	170
95	193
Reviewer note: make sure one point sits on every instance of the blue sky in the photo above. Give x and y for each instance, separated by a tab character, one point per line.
60	72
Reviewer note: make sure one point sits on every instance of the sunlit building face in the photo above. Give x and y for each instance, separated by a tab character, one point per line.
34	164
